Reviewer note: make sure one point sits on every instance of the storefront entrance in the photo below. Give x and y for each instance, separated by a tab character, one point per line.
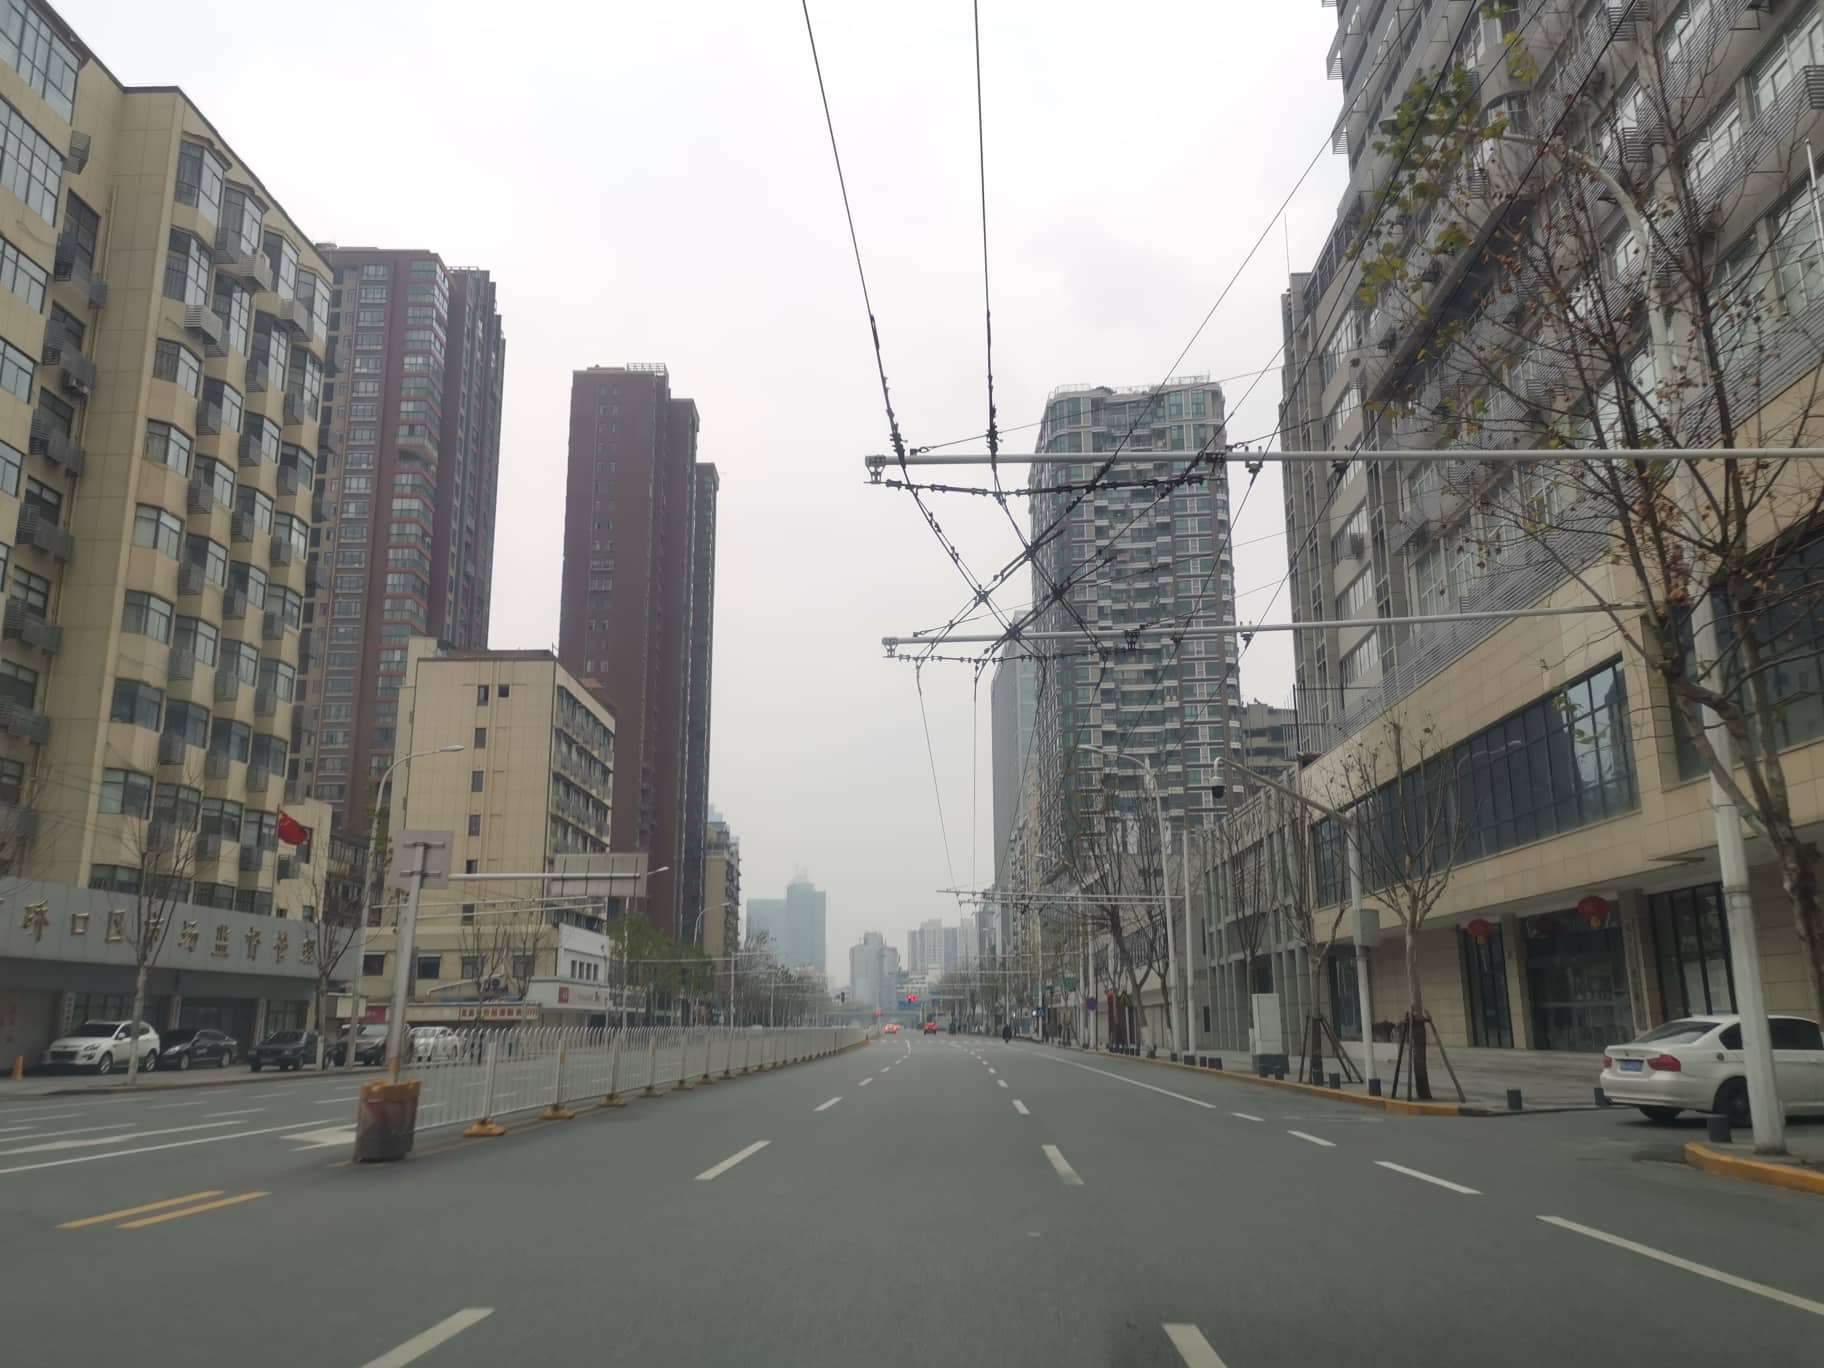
1576	981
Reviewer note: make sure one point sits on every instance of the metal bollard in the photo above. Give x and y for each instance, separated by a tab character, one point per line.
652	1063
1374	1087
557	1111
728	1060
1513	1099
1336	1080
1602	1099
484	1126
1718	1129
614	1071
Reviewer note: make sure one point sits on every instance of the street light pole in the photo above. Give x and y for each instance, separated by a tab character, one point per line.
367	893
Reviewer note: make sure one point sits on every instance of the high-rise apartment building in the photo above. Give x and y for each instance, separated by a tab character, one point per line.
794	925
405	507
1013	703
721	933
873	971
1269	741
628	609
163	339
1134	556
696	886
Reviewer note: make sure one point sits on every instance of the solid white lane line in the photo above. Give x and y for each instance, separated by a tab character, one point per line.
1062	1165
1428	1178
1248	1116
244	1111
75	1130
732	1160
422	1343
1797	1303
827	1105
148	1149
1001	1081
106	1139
1314	1139
167	1106
1192	1347
1134	1082
1020	1107
864	1082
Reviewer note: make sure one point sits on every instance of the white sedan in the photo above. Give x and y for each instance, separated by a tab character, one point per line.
1695	1064
435	1045
103	1046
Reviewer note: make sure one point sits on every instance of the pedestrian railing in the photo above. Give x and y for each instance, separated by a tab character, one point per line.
480	1074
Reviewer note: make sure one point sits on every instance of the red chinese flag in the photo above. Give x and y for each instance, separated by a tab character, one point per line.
290	830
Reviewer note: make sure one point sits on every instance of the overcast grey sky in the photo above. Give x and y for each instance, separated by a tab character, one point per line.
652	182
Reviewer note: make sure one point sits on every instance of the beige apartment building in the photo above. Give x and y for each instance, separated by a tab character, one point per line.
162	332
530	791
1585	902
721	910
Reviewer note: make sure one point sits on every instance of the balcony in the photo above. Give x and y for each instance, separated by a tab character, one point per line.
199	497
206	323
294	313
234	602
208	418
291	480
37	529
265	702
259	778
190	579
173	749
182	664
26	723
251	859
273	627
240	526
296	410
250	453
259	375
227	689
49	440
209	845
252	269
216	762
76	373
282	551
78	155
28	625
69	267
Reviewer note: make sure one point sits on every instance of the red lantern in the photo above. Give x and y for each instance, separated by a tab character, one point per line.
1479	930
1594	910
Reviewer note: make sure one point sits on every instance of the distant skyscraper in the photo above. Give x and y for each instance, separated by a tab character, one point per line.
693	820
1013	702
794	924
405	504
873	970
1135	557
628	613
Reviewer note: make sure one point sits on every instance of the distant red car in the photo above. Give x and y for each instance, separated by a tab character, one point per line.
930	1028
891	1028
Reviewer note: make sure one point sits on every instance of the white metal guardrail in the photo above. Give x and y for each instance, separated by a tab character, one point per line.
472	1077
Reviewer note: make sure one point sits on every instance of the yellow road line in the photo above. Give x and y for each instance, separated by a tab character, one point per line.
135	1211
195	1210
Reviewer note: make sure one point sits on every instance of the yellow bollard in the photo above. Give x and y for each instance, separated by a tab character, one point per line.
18	1067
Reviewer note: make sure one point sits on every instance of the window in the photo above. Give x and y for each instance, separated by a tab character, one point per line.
201	178
187	264
29	166
475	781
373	966
16	371
34	591
178	804
233	739
481	695
81	231
168	446
23	276
430	966
505	691
157	529
211	555
249	580
217	478
197	637
109	878
190	721
279	679
29	47
137	704
233	304
1785	59
147	615
474	824
241	215
1357	601
1792	1033
283	257
12	462
251	503
481	739
177	363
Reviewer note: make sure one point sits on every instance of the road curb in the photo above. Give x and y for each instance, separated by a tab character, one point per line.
363	1071
1388	1104
1792	1178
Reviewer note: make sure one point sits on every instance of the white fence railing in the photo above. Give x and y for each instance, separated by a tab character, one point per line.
478	1074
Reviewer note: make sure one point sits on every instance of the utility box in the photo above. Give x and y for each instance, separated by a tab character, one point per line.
1266	1040
385	1121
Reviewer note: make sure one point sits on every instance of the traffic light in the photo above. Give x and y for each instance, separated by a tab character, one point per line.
911	997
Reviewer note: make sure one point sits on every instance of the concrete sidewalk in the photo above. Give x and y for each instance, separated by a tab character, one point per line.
1547	1079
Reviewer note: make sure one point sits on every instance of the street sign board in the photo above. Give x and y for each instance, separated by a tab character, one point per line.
405	848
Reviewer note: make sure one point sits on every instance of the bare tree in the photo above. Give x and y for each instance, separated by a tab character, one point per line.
502	944
1402	796
159	846
334	913
1293	858
1607	269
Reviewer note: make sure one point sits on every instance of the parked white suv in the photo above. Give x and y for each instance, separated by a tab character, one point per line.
103	1046
435	1044
1695	1064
